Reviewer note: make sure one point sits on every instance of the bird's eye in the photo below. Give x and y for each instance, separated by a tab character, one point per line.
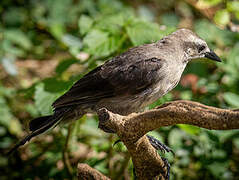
201	48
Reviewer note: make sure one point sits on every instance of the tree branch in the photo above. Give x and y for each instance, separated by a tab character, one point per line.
86	172
132	128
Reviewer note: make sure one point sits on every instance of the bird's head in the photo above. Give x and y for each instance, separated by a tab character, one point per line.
194	47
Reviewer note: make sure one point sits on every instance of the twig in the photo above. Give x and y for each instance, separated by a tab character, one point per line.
66	160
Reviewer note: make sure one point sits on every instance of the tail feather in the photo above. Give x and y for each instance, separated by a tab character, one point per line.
39	122
37	128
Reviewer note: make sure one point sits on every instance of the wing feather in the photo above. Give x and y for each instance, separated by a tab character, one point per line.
121	76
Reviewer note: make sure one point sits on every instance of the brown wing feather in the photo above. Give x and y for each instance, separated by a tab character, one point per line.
123	75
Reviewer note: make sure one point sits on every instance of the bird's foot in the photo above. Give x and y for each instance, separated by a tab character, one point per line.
163	148
158	145
167	165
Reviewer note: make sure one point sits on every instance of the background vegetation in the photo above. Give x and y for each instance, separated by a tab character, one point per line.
46	45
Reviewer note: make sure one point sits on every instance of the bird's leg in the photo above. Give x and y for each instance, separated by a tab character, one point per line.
158	145
163	148
155	143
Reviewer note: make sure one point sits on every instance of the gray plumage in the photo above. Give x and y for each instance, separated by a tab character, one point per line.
130	81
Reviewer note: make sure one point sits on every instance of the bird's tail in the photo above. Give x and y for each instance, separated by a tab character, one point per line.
38	126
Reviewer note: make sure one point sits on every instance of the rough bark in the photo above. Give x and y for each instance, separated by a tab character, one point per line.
85	172
131	129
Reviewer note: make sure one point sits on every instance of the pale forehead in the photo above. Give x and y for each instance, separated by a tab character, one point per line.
195	38
188	35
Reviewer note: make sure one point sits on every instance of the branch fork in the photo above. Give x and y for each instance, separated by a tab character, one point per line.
132	129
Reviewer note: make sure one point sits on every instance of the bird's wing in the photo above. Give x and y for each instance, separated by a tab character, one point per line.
118	77
88	90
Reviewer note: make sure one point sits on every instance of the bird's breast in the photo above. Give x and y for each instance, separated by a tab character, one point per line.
171	77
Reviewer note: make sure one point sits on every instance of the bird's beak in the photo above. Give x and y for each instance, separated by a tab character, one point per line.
212	55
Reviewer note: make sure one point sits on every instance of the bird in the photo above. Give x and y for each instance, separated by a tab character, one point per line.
127	83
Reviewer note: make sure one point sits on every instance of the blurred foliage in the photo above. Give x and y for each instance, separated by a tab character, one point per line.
46	45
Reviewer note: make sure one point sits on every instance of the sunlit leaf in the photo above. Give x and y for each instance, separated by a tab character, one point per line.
43	100
175	138
18	37
57	30
222	17
170	19
85	23
55	85
8	63
233	6
213	34
100	43
193	130
141	32
5	113
71	41
146	13
64	65
232	99
11	50
208	3
218	169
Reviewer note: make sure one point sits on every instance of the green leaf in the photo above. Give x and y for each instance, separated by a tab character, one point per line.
186	95
222	17
54	85
213	34
112	24
85	23
170	19
233	6
57	30
162	100
232	99
15	127
175	138
5	113
8	63
71	41
193	130
14	16
43	100
9	48
141	32
209	3
99	43
64	65
218	153
218	168
74	44
94	39
236	142
146	13
18	37
231	65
